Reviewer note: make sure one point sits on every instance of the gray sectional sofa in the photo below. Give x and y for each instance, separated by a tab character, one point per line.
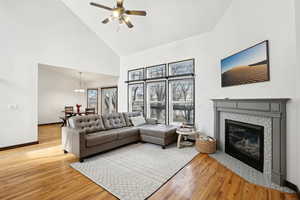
93	134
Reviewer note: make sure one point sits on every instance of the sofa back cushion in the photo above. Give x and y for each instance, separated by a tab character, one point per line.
128	116
87	123
114	120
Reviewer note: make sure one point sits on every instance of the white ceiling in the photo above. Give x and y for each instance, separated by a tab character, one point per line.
167	21
88	77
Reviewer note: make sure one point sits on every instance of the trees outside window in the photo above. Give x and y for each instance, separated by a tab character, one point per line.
158	71
181	67
156	101
136	74
181	101
136	97
169	92
92	99
109	100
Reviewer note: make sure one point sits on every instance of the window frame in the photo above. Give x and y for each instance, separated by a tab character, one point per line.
155	78
128	101
194	98
180	75
166	97
136	69
87	98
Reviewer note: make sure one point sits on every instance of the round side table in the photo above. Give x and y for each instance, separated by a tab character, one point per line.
184	134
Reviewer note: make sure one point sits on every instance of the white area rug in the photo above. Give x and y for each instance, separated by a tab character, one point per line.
136	171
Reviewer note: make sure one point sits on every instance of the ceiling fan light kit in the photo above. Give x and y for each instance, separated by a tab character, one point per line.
119	13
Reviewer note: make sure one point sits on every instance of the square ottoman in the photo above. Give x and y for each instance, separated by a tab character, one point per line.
158	134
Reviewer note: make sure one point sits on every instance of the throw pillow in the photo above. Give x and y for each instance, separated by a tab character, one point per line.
137	121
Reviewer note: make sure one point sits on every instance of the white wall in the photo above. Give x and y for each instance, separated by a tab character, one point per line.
33	32
55	94
297	11
244	24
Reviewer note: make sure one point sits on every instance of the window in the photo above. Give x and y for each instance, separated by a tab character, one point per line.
158	71
185	67
156	101
109	100
164	92
92	99
136	97
181	101
136	74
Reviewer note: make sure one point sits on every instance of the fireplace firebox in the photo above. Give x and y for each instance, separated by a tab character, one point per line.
245	142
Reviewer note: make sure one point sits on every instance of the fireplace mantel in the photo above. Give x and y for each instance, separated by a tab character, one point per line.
273	108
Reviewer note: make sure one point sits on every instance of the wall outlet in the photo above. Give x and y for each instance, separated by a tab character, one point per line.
13	106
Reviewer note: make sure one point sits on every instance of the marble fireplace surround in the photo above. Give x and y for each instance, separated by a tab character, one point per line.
270	113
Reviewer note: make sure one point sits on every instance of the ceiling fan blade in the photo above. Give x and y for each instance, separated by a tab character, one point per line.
120	3
106	21
101	6
136	12
127	21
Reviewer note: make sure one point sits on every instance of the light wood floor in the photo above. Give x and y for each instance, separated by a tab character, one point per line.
42	172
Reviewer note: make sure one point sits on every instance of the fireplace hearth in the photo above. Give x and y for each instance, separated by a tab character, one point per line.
245	142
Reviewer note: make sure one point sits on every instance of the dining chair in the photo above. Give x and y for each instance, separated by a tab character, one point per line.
90	111
69	112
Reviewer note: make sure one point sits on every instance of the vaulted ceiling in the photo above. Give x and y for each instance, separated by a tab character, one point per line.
167	21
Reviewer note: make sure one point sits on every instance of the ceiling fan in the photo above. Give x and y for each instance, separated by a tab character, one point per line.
120	13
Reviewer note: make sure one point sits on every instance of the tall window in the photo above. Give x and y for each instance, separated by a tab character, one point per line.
169	94
92	99
109	100
156	101
181	101
136	97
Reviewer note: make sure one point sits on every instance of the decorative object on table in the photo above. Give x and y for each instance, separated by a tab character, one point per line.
109	100
185	133
248	66
206	144
78	108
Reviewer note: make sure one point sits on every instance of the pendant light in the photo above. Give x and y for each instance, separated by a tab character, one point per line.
80	89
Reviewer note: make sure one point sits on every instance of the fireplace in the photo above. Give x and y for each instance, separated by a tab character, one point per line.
245	142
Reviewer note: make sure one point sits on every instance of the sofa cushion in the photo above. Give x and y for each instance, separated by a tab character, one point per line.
138	121
128	132
159	130
87	123
128	116
114	120
99	138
